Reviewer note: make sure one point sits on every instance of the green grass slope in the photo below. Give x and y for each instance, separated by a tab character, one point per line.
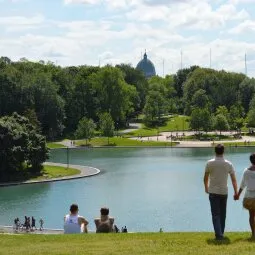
128	244
118	141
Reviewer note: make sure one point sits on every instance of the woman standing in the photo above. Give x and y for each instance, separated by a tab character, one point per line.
248	182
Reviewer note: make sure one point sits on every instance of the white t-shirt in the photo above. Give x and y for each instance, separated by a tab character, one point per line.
219	169
248	182
71	225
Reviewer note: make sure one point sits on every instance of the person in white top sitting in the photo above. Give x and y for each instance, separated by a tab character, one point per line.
248	182
74	223
104	224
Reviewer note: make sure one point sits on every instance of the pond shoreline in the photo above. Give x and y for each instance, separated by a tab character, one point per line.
85	171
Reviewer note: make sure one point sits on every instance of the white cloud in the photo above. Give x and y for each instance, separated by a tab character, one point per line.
162	27
248	26
82	1
15	23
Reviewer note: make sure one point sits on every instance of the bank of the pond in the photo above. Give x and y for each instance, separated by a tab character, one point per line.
83	171
126	244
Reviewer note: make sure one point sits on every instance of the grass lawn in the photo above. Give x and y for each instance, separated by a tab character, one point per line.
173	124
233	144
50	172
127	244
118	141
55	145
208	137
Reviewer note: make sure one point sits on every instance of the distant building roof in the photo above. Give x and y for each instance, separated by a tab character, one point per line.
146	66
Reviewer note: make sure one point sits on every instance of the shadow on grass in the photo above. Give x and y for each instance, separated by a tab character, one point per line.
213	241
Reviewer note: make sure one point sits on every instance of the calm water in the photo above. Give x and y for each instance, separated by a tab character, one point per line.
145	189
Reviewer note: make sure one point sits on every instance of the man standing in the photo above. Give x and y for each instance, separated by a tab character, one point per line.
215	182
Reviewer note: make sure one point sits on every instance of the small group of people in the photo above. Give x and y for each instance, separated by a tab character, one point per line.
74	223
28	225
216	175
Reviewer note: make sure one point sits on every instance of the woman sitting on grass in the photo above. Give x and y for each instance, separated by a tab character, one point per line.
104	224
248	182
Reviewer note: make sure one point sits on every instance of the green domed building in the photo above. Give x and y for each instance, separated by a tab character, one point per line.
146	66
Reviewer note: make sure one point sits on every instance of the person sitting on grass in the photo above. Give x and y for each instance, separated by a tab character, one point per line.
104	224
74	223
248	182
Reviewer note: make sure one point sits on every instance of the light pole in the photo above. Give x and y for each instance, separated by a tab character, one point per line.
67	157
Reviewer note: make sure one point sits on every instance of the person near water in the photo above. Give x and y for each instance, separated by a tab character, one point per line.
216	175
74	223
41	222
33	223
104	224
248	183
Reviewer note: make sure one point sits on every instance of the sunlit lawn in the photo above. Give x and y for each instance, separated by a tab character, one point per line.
118	141
127	244
55	145
233	144
173	124
50	172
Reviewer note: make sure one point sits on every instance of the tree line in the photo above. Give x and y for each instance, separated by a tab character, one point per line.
62	100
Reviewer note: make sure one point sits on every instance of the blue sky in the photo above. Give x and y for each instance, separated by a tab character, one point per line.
76	32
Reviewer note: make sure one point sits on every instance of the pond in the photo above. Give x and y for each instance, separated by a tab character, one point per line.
145	188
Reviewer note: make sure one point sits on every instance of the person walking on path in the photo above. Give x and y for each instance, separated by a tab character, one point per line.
248	182
215	183
41	222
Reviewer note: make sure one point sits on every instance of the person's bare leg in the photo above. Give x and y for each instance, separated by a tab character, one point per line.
252	222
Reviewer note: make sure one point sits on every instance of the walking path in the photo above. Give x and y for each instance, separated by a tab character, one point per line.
132	127
85	171
165	137
45	231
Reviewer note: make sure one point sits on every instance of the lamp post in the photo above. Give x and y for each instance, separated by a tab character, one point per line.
67	157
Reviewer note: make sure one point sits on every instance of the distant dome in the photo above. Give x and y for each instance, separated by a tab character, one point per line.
146	66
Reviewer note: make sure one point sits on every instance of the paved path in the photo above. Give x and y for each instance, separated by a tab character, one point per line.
85	171
46	231
165	137
132	127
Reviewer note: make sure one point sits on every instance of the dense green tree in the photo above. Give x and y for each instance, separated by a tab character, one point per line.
114	94
106	125
221	123
223	110
236	114
247	90
201	119
251	114
154	108
86	129
58	97
200	99
181	77
221	87
135	78
22	147
30	114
